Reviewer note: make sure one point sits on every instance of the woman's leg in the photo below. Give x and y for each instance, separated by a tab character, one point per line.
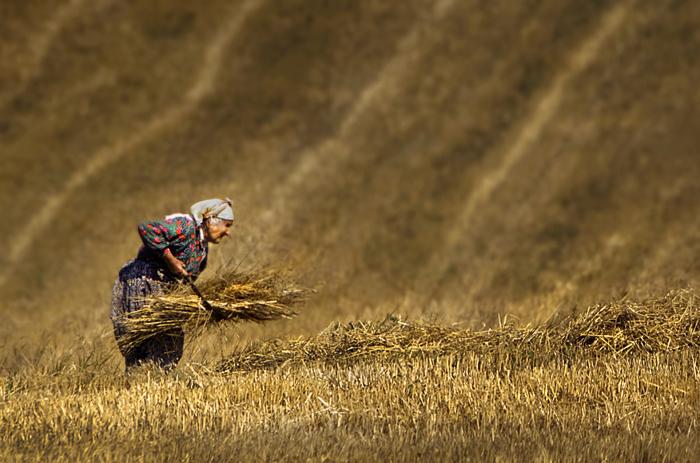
165	350
135	283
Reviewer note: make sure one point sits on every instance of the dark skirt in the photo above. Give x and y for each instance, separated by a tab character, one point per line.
138	279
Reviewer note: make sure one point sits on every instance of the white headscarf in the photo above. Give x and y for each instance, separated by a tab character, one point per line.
212	208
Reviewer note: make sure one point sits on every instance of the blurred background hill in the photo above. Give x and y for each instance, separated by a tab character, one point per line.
457	159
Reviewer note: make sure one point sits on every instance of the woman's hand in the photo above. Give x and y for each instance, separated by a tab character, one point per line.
175	265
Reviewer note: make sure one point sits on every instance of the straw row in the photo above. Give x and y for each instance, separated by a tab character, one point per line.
666	323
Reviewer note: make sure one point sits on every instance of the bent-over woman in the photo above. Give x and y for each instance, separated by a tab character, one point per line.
173	249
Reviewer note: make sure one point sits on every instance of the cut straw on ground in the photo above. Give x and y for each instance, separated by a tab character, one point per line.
663	324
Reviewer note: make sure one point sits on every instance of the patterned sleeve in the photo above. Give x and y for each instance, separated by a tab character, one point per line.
160	234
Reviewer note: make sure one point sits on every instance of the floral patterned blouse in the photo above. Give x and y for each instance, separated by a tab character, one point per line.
180	234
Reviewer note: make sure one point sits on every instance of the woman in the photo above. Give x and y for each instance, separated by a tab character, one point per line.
173	249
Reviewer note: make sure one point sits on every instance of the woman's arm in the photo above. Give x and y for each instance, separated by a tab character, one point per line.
175	265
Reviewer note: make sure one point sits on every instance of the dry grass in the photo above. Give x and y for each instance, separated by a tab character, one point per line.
385	391
232	297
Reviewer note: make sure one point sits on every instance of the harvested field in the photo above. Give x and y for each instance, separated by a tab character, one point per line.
496	203
384	391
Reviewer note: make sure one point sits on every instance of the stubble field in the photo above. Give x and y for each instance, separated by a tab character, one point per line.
497	205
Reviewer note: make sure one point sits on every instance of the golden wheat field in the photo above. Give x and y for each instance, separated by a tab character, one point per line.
492	210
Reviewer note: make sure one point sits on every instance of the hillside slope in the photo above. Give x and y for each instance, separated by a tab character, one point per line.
465	158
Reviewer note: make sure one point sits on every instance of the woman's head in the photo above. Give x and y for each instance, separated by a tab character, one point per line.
215	216
216	229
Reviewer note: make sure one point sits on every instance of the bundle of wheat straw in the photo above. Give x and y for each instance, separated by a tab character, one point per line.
233	296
